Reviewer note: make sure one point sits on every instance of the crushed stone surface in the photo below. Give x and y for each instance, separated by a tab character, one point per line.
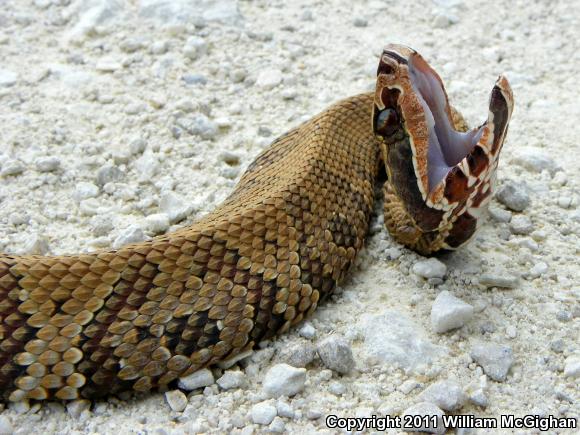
125	119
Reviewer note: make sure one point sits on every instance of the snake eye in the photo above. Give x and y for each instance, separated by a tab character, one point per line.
387	122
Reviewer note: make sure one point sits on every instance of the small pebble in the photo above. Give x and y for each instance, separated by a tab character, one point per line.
198	379
500	215
277	425
264	131
572	366
511	332
230	172
307	15
359	22
538	270
237	75
232	379
174	207
36	245
84	190
430	268
159	47
479	398
194	79
47	164
494	359
101	225
90	207
229	157
269	78
299	355
449	312
557	345
200	125
133	234
194	47
513	196
565	201
107	65
131	45
442	21
289	93
157	223
263	413
137	146
527	242
284	409
495	280
176	400
121	155
426	409
8	78
313	414
284	380
108	174
521	225
447	395
336	354
408	386
146	166
535	160
307	331
19	218
564	316
337	388
11	168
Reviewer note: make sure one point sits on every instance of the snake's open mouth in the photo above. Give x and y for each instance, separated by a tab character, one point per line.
447	147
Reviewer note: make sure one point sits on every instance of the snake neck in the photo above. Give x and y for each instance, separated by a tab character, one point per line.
140	317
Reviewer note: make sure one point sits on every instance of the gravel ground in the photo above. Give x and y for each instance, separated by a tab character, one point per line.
122	119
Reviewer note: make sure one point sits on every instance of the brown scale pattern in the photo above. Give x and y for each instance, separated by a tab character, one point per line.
142	316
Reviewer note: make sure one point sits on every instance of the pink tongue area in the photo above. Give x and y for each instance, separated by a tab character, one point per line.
447	147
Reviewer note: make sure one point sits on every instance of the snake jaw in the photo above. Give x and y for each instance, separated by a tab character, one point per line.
443	175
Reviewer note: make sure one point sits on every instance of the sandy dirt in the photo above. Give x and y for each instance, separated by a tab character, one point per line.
124	119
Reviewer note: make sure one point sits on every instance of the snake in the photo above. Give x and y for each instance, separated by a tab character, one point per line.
142	316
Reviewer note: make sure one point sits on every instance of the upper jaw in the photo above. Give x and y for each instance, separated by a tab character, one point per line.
437	147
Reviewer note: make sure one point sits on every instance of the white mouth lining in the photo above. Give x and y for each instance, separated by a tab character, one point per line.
447	147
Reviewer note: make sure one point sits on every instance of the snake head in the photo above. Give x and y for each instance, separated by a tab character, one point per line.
441	172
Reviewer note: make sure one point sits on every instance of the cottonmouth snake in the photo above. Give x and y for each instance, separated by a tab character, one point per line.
142	316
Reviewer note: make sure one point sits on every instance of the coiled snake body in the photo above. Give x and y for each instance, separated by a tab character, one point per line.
144	315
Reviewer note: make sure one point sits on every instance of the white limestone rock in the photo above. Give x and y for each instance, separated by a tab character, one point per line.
336	354
174	206
449	312
199	379
133	234
232	379
263	413
284	380
269	78
447	395
494	359
572	366
176	400
393	338
430	268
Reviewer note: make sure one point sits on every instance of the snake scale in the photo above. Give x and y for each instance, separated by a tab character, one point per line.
142	316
